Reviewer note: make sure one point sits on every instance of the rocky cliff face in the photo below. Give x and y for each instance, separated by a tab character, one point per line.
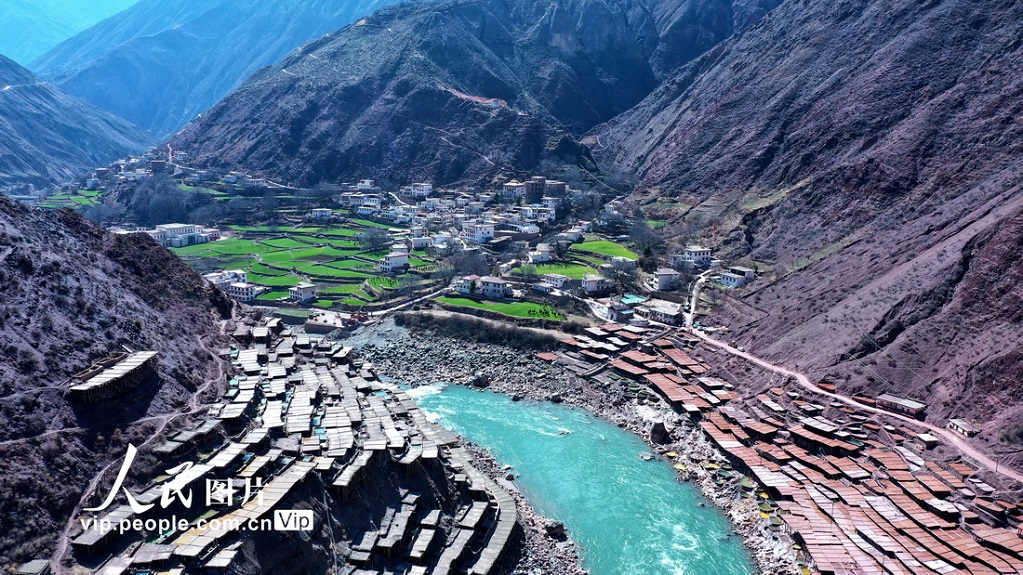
72	294
160	64
47	136
869	153
462	90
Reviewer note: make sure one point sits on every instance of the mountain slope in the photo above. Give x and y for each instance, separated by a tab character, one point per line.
871	152
31	27
463	90
159	64
47	136
71	294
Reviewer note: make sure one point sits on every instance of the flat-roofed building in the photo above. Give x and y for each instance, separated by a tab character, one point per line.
901	405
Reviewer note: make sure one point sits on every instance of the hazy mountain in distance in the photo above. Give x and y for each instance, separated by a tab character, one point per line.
48	136
28	28
159	64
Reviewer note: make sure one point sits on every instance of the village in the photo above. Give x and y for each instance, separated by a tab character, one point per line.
853	487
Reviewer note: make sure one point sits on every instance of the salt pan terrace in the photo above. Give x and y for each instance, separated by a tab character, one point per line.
315	426
855	492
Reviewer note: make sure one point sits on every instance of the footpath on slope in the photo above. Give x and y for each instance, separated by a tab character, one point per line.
950	436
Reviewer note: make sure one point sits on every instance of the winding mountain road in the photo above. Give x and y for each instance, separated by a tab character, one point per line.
949	436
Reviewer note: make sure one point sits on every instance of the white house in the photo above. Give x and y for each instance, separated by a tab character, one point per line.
541	254
666	279
303	292
495	288
695	255
731	280
224	279
593	283
242	291
662	311
514	189
478	232
747	273
366	185
393	262
555	280
467	285
321	214
180	235
421	190
572	235
624	262
550	203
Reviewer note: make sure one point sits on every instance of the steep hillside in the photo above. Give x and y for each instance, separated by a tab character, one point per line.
31	27
72	294
462	89
47	136
159	64
871	153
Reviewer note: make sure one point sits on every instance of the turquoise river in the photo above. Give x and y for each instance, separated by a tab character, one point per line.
629	516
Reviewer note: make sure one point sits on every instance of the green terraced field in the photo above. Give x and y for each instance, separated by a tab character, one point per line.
275	281
606	248
272	295
326	271
346	289
285	243
370	224
575	271
515	309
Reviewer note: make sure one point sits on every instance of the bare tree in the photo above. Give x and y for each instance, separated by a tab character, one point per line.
622	273
374	239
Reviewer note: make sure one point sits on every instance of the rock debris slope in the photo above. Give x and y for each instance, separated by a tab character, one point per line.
871	153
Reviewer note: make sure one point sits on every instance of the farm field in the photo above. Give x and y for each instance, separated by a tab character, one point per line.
523	309
606	248
280	257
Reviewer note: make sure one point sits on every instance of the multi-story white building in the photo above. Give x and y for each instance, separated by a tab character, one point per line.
666	279
242	291
555	280
493	287
321	214
394	262
693	256
421	190
224	279
514	189
550	203
467	285
478	232
180	235
541	254
593	283
302	292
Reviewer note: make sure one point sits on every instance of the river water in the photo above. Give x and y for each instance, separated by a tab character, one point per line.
628	516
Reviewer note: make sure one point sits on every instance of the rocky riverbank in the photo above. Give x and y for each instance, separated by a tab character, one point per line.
542	553
423	358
